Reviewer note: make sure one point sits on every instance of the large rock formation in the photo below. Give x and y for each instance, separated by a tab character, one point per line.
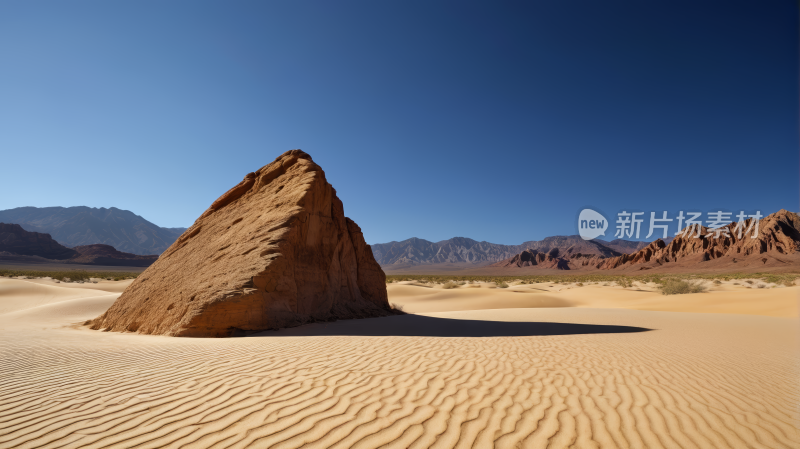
15	240
274	251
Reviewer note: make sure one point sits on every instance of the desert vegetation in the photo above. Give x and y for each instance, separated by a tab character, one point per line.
787	279
70	275
680	287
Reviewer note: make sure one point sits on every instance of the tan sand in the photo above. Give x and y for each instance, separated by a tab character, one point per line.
505	377
725	298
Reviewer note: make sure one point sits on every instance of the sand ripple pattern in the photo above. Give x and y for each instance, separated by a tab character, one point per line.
659	389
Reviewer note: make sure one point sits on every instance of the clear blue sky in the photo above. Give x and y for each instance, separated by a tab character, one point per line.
497	121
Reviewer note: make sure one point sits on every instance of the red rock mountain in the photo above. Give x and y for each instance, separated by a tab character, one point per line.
777	247
274	251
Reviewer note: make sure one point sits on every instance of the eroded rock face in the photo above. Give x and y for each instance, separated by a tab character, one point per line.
274	251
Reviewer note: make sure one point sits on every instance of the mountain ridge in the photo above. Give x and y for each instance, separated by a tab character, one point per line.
17	244
777	246
464	250
83	225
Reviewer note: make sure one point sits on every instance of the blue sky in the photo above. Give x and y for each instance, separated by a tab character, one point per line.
497	121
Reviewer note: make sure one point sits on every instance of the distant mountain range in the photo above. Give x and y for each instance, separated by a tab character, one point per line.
81	225
462	250
775	248
19	245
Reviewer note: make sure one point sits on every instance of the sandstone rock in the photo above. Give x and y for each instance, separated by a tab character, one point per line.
274	251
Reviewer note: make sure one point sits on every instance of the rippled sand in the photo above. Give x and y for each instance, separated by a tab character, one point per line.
510	377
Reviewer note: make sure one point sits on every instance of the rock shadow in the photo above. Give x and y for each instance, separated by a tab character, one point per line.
426	326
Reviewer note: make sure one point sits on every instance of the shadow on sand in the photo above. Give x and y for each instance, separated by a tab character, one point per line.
425	326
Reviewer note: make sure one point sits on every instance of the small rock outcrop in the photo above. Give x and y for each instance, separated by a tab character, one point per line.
535	258
274	251
99	254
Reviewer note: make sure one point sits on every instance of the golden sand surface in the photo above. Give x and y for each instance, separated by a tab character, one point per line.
515	373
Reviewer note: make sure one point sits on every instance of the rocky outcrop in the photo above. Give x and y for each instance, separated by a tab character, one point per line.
569	245
623	246
100	254
274	251
532	257
15	240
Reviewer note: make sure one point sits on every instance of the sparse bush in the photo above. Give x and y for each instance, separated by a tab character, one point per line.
625	282
679	287
717	282
736	283
761	286
72	275
449	284
475	285
749	281
554	280
501	284
579	284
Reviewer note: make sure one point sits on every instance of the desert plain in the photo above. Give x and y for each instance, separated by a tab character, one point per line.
532	365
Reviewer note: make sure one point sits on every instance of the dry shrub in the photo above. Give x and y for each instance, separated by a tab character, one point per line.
502	285
396	306
680	287
625	282
449	284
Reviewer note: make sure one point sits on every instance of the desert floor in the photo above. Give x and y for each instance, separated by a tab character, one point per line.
475	366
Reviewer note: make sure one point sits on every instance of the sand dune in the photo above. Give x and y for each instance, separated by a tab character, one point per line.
558	377
725	298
